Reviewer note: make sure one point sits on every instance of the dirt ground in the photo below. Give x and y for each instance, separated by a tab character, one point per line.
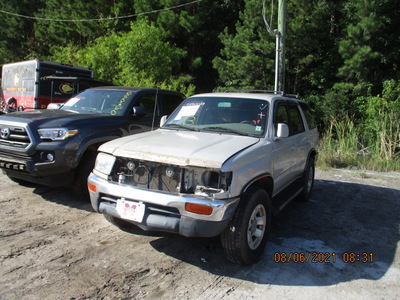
342	244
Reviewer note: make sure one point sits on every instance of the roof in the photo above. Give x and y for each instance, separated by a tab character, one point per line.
250	94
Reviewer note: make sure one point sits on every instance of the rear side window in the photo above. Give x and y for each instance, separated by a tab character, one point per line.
296	122
309	115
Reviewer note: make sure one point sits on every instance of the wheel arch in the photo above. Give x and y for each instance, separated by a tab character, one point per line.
92	146
263	181
312	154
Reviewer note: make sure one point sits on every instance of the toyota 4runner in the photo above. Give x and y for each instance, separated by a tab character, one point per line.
221	164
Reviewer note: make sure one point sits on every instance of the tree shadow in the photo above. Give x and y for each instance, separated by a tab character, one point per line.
340	223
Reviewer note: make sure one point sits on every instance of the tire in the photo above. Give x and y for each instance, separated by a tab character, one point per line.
244	239
79	186
308	181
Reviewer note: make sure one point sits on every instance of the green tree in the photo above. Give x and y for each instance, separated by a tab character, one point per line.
195	28
139	57
65	32
370	47
247	59
17	35
311	45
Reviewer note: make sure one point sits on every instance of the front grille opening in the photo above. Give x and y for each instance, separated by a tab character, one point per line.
147	175
14	136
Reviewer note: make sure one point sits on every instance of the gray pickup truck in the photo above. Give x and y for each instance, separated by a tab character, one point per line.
57	147
221	164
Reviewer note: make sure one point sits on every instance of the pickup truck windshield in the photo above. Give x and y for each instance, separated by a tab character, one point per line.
108	102
221	114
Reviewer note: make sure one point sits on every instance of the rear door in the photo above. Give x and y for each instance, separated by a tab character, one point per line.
300	137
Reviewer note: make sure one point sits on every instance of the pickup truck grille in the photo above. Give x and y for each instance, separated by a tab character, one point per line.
147	175
14	136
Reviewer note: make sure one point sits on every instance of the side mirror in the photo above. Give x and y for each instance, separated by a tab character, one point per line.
282	131
138	111
163	120
54	105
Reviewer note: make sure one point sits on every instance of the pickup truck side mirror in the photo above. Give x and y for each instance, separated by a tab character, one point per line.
282	131
138	111
54	105
163	120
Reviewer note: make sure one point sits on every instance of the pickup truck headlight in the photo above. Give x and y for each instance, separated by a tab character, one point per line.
104	163
56	134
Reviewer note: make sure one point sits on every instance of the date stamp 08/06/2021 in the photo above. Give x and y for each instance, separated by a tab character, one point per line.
323	257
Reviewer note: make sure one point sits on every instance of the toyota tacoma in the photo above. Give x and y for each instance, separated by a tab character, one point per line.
57	147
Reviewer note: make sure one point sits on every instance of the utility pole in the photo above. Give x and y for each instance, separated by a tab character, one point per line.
280	47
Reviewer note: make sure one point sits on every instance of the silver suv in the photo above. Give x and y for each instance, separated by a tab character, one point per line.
221	164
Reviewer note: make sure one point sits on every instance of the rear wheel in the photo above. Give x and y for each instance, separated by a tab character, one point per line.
308	181
244	239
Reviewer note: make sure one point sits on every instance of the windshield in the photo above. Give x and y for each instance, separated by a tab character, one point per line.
221	114
111	102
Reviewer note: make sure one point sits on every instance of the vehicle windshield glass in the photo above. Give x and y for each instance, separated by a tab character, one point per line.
110	102
221	114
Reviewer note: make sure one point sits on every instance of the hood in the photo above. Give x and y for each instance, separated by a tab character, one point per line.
49	117
183	148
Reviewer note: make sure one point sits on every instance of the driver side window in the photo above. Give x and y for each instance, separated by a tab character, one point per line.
281	116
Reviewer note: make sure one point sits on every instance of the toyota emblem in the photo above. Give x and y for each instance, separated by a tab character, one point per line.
5	133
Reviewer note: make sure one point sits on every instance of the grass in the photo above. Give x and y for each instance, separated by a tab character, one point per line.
341	147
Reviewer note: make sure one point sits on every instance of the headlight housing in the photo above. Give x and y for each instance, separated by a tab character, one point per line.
205	182
104	163
56	134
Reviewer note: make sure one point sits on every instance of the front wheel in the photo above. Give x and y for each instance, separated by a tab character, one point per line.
244	239
79	186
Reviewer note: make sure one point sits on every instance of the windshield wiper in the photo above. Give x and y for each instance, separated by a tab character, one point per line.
229	130
181	126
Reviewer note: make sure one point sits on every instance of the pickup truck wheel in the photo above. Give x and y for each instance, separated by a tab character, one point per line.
244	239
308	181
86	165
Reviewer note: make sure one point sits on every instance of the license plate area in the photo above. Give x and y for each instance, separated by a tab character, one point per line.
130	210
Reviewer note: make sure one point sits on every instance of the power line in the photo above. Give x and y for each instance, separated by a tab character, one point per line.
264	17
100	19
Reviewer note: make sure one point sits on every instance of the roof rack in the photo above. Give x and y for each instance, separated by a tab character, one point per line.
264	91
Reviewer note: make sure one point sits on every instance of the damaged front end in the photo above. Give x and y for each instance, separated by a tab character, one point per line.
191	201
155	176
